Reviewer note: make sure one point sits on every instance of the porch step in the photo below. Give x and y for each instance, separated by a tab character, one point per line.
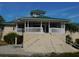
46	43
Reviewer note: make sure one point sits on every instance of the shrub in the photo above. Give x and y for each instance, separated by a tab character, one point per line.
77	41
10	38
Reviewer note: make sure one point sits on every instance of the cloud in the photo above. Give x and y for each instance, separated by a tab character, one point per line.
73	16
65	9
62	10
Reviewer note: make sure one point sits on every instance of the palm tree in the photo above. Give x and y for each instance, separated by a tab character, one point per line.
37	13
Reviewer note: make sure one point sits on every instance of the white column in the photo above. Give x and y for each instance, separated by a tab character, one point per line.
15	40
16	27
28	26
62	27
41	27
25	26
49	26
16	32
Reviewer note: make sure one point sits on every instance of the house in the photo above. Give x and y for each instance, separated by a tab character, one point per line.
39	34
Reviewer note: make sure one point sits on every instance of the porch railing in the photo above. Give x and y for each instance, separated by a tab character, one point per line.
40	29
57	30
34	29
20	29
30	29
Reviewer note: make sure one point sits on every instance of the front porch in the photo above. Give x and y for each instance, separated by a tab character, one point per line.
40	26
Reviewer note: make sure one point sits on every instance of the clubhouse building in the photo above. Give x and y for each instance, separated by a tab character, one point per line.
39	34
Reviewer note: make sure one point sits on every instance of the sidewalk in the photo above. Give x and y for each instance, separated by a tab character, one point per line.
10	49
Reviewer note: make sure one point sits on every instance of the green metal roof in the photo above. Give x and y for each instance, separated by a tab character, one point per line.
45	18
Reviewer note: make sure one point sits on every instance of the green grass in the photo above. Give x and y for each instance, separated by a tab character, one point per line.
75	54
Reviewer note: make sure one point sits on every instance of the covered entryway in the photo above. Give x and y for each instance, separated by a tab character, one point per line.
45	27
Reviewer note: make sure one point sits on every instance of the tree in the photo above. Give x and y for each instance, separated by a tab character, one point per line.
1	22
72	27
10	37
1	25
37	12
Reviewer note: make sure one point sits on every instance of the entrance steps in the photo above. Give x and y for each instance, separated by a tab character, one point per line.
46	43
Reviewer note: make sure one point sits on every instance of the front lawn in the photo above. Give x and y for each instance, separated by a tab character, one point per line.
75	54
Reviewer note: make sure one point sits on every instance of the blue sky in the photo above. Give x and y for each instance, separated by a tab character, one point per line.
66	10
